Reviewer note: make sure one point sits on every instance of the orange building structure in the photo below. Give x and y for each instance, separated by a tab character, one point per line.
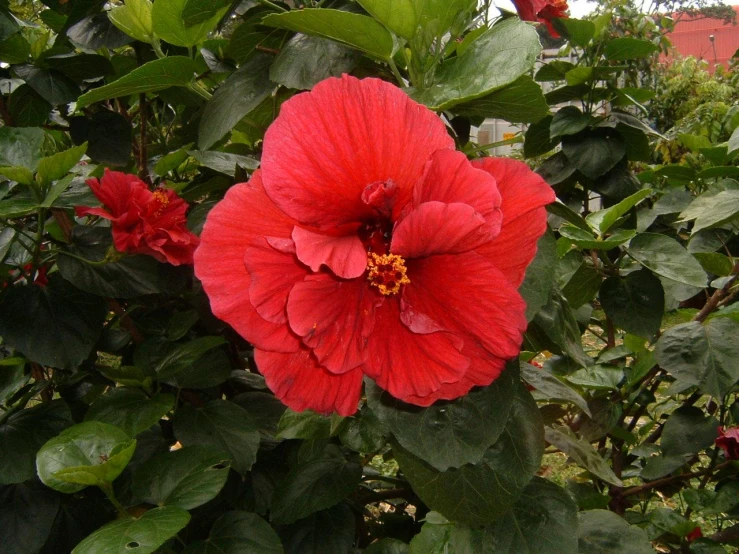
706	39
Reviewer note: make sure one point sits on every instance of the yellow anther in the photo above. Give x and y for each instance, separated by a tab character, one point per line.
386	272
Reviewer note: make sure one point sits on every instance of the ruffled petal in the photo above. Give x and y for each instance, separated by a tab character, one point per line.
437	228
450	178
300	383
329	144
408	364
81	211
467	296
231	227
335	319
273	274
524	195
345	255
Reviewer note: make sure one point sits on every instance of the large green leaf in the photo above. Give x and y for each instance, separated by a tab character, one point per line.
27	108
238	533
23	434
355	30
478	494
603	532
703	355
130	409
539	278
688	431
107	134
321	481
75	316
568	120
175	71
520	102
578	31
549	386
236	97
168	23
134	19
583	453
594	151
56	166
223	426
627	48
635	303
666	257
449	434
538	141
141	535
197	11
252	34
187	478
53	86
89	453
733	141
497	58
713	211
387	546
27	515
20	146
406	18
303	425
603	220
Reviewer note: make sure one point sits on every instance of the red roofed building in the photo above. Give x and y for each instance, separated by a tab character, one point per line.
692	37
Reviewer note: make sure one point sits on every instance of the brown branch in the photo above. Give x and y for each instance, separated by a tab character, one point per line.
65	224
126	322
717	296
730	534
669	480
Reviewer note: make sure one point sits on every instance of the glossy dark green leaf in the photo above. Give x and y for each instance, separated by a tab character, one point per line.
597	377
407	18
715	263
703	355
449	434
28	108
142	535
223	426
187	478
224	162
364	432
479	494
688	431
318	483
496	58
582	453
554	70
594	151
167	359
242	92
89	453
713	211
538	141
209	370
20	147
603	220
634	303
637	143
198	11
539	275
130	409
174	71
549	386
95	31
557	322
520	102
56	166
238	533
326	531
80	67
603	532
303	425
582	286
75	316
107	134
387	546
27	515
627	48
252	34
51	85
568	121
23	434
668	258
169	24
8	24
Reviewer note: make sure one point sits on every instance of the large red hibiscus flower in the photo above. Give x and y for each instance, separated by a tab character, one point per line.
366	245
543	11
143	222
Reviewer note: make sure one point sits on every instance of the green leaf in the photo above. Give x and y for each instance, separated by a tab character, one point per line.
520	102
497	58
594	151
579	76
27	515
387	546
238	533
582	453
209	370
603	532
75	316
223	426
52	86
688	431
305	61
89	453
703	355
603	220
363	433
186	478
557	322
597	377
303	425
627	48
141	535
168	23
549	386
19	174
20	147
578	31
252	34
326	531
554	70
666	257
734	141
169	359
315	484
537	140
635	303
406	18
55	167
14	50
27	108
713	211
224	162
539	275
583	285
449	434
134	18
130	409
23	434
713	262
241	93
478	494
175	71
108	136
355	30
568	121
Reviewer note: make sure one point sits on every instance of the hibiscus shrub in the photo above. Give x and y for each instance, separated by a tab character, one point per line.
262	293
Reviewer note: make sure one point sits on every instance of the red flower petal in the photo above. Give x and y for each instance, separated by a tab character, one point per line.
345	255
335	318
115	190
300	383
273	274
329	144
524	194
81	211
232	226
409	364
450	177
436	228
468	296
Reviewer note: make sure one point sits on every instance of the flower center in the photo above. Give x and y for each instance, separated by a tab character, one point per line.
160	200
386	272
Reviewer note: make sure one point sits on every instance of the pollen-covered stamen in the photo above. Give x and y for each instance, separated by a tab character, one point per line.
160	200
386	272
